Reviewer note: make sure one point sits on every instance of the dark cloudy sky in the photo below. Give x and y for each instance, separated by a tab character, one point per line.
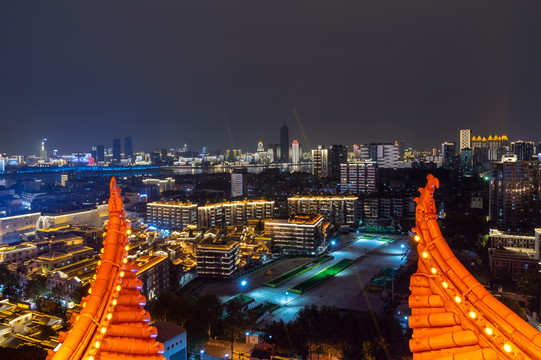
228	73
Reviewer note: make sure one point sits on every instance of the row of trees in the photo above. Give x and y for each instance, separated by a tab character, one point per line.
315	330
326	331
204	317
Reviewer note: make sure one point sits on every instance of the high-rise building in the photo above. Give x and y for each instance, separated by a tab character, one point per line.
238	183
466	161
295	152
43	152
386	155
116	149
514	193
358	177
276	151
320	162
338	154
284	144
524	150
465	139
128	150
100	153
448	154
2	163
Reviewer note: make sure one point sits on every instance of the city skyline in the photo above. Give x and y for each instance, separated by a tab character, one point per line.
347	74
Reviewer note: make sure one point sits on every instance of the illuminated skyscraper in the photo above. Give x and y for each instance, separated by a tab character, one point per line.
284	144
320	162
295	152
386	155
465	139
238	183
514	193
43	153
338	154
448	154
358	177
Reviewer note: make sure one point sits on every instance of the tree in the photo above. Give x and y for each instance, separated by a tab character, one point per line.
35	287
235	322
8	284
51	306
209	310
529	285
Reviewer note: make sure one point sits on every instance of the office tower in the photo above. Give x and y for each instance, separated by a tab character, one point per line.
238	183
358	177
185	148
524	150
43	152
320	162
386	155
284	144
514	193
128	151
116	149
295	152
448	154
465	139
338	155
466	161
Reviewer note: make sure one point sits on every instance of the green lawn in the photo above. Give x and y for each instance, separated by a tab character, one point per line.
321	276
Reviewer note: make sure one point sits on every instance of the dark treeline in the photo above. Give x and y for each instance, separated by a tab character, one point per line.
327	331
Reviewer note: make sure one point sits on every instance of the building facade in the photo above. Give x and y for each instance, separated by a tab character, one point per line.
358	177
171	215
465	139
514	190
339	210
217	257
298	234
320	162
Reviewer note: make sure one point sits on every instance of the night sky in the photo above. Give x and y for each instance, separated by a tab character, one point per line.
227	74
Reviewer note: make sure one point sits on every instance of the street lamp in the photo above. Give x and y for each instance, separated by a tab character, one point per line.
286	293
201	352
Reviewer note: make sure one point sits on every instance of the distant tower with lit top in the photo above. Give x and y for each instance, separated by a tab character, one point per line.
295	152
43	152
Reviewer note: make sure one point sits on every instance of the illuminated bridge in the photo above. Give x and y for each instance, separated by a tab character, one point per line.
453	315
112	323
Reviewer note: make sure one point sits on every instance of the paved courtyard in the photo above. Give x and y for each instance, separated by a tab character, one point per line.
343	291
